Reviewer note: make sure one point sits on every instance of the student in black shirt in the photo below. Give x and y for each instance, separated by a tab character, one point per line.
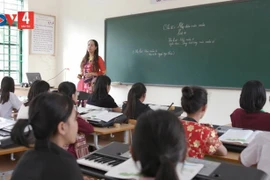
134	107
52	117
159	145
100	96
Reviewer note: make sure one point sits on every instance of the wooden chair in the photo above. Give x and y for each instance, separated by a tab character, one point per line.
133	122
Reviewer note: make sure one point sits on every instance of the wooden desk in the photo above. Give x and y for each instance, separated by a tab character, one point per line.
23	91
126	128
231	157
13	150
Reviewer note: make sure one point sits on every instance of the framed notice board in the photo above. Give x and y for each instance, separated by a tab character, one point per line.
42	38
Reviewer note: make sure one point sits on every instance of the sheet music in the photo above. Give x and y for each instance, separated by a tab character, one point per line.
236	136
8	128
129	170
158	107
108	116
82	110
92	107
98	115
6	122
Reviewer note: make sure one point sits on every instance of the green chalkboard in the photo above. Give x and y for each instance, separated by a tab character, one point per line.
216	45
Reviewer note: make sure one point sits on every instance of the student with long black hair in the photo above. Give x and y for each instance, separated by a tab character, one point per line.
52	117
134	106
159	144
80	148
8	100
36	88
100	96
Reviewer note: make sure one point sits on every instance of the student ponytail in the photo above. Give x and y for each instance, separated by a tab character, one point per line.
166	170
131	104
134	94
18	134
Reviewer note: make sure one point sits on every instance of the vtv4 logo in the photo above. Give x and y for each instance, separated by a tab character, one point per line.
25	19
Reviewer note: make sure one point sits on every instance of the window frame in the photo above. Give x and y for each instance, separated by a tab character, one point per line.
9	71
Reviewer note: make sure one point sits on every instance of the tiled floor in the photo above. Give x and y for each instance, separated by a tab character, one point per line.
6	164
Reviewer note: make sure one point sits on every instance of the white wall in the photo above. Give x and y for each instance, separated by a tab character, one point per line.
45	64
79	22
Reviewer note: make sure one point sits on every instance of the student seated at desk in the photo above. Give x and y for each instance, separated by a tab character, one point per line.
158	145
36	88
250	115
100	96
257	152
8	100
201	138
53	120
80	148
134	107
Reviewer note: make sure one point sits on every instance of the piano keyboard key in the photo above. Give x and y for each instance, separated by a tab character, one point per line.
100	162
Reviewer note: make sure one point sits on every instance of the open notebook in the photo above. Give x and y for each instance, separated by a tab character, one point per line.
129	170
101	115
238	137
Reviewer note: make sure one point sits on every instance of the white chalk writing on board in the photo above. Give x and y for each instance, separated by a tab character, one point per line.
181	39
153	52
182	26
175	41
42	36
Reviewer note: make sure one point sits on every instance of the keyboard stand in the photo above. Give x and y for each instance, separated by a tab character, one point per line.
126	128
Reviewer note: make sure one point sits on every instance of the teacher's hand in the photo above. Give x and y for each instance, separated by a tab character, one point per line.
79	76
88	75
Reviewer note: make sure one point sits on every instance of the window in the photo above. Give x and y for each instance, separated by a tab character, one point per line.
11	43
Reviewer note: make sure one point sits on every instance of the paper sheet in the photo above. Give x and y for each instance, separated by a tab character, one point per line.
98	115
158	107
236	136
129	170
6	122
82	110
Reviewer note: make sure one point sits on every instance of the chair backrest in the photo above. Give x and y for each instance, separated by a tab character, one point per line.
82	97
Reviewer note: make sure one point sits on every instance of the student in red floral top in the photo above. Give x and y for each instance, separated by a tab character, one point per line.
201	138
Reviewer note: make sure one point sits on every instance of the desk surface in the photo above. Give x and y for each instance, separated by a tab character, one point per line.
232	157
12	150
23	91
109	130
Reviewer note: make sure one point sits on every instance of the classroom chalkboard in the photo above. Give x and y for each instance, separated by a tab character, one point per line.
215	45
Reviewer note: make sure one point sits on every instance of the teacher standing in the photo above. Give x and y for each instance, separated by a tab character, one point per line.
92	65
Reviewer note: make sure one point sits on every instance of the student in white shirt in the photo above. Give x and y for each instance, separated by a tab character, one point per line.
8	100
36	88
257	152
